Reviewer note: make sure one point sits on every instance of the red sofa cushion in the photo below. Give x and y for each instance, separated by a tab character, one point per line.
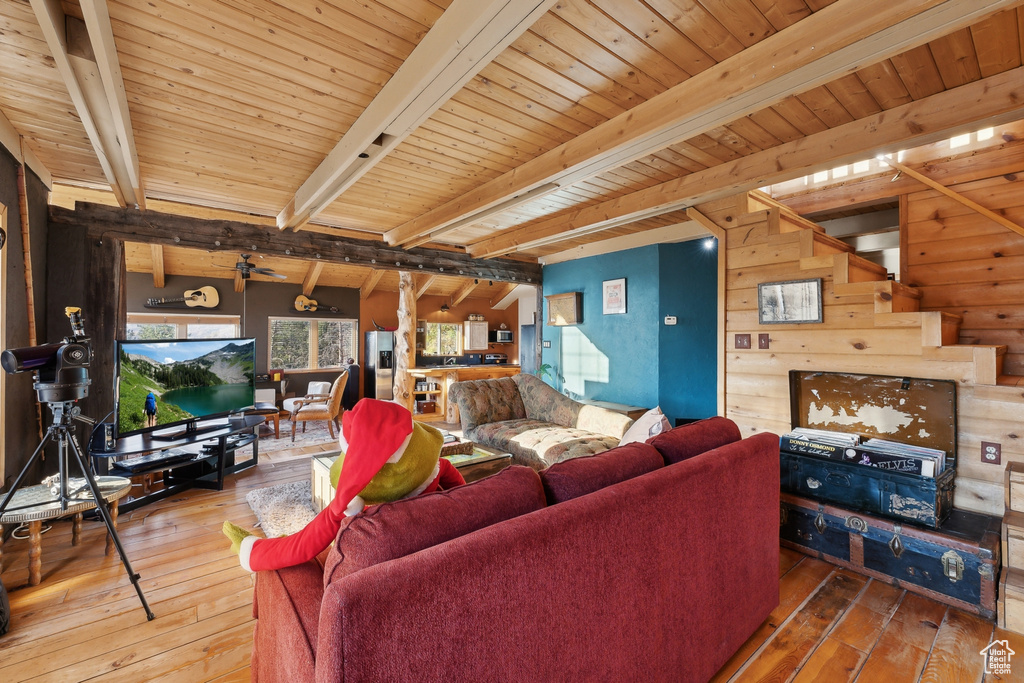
393	530
579	476
695	438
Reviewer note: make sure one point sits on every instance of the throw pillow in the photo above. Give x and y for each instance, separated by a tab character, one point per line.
651	423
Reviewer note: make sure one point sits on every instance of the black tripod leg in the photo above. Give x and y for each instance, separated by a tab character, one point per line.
103	507
24	471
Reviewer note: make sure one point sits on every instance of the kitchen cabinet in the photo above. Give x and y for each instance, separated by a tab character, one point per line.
474	335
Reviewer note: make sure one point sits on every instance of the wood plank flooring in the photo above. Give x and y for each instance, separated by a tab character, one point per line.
84	621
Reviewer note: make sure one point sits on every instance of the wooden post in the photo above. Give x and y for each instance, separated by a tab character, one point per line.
30	296
405	340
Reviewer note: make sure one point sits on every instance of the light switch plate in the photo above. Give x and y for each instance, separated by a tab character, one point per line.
547	343
742	341
762	340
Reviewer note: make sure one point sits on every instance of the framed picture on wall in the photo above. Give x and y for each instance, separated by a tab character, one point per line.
614	296
796	301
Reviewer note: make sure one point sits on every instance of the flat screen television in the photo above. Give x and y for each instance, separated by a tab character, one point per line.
188	381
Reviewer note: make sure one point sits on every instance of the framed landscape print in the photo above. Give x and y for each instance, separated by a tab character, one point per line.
614	296
796	301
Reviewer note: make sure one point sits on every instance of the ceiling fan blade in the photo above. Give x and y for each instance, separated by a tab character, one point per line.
279	276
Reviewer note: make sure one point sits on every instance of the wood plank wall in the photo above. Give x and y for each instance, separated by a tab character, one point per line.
969	265
848	340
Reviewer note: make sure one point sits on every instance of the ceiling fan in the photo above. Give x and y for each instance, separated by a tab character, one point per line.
246	269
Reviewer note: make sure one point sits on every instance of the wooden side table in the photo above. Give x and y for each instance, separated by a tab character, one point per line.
34	504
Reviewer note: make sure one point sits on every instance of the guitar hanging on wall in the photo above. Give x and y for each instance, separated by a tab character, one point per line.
303	303
204	297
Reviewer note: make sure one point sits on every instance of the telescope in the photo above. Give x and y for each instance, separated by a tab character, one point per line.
62	368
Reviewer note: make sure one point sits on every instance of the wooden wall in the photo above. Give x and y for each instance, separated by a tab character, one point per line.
969	265
851	338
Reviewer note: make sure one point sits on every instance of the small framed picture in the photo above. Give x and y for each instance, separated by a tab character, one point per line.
796	301
614	296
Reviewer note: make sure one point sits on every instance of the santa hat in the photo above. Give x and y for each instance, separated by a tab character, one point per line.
375	434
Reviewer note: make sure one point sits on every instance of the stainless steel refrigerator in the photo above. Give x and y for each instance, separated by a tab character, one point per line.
380	365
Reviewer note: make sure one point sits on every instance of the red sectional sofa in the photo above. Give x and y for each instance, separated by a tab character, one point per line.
652	561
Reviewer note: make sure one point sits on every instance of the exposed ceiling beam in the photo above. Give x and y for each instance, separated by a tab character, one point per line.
461	42
464	291
954	195
53	23
423	283
372	278
153	227
11	139
678	232
101	35
833	42
990	101
312	275
157	252
500	293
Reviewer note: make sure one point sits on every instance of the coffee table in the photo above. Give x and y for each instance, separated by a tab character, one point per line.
482	462
34	504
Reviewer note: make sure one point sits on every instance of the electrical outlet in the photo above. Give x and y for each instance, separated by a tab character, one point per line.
670	320
762	341
742	341
992	453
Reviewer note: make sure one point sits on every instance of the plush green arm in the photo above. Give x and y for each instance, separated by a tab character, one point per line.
235	534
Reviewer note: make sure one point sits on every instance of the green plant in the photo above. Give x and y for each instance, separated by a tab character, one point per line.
545	371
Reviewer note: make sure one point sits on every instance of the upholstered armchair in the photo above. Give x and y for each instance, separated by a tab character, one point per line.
320	407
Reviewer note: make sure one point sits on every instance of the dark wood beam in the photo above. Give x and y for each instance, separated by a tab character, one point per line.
130	225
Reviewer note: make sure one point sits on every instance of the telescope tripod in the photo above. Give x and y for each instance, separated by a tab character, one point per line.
61	431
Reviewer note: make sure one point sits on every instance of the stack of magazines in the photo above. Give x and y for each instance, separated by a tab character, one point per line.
887	455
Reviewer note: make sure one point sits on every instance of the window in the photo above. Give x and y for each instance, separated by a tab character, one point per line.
312	343
442	339
159	326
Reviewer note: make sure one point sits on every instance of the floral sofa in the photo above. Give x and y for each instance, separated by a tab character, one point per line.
524	416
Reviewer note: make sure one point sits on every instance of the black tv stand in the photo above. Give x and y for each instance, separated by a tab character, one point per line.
214	444
191	430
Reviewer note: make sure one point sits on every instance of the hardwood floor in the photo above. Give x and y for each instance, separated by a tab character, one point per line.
85	622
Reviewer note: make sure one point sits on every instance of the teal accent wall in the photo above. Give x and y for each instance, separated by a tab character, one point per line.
687	363
634	358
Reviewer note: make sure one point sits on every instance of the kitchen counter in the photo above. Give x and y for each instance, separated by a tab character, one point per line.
446	375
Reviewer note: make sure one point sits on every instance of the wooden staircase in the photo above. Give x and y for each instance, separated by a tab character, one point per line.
895	305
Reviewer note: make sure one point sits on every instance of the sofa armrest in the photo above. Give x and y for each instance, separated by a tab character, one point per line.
287	609
602	421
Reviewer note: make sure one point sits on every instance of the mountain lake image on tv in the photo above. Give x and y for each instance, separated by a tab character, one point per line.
163	383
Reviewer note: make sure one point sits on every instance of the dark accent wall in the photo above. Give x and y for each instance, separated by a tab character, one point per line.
21	434
260	301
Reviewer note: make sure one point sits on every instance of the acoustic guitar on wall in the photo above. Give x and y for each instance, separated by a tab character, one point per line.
303	303
204	297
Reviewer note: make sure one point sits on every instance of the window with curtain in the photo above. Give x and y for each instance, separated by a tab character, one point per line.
312	343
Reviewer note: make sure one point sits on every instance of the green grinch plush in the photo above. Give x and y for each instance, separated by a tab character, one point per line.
386	456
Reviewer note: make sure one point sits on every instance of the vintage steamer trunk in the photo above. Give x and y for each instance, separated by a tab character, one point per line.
919	412
957	565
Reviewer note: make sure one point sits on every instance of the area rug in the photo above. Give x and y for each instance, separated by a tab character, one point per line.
282	509
315	435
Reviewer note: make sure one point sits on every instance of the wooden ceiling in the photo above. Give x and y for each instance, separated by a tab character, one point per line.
494	127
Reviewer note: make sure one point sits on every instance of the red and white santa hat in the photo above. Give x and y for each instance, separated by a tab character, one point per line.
373	434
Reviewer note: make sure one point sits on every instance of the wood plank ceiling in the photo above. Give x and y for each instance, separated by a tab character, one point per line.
604	117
